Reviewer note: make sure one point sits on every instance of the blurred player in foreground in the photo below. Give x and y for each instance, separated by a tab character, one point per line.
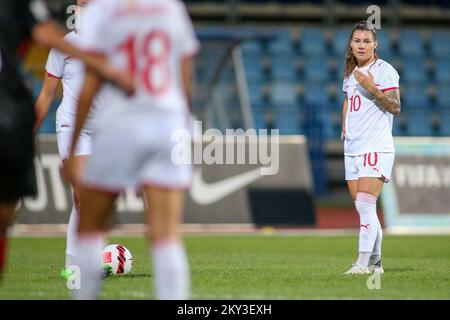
155	40
21	20
371	86
63	67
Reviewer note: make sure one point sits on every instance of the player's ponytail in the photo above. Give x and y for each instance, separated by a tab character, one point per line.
350	59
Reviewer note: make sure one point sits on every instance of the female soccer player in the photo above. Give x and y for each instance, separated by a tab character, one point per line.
21	21
63	67
371	87
155	40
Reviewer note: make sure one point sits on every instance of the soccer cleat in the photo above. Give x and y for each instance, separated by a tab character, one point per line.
376	268
357	269
66	273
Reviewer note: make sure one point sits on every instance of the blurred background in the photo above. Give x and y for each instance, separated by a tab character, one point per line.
279	64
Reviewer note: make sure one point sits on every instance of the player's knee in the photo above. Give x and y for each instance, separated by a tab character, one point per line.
363	199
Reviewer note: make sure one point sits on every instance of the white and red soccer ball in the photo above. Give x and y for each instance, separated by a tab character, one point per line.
118	258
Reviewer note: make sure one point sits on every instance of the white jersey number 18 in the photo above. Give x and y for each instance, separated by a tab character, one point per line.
154	72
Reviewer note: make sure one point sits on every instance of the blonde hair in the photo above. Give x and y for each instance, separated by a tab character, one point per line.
350	59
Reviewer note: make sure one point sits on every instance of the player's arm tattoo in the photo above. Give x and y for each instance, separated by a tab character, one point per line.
389	101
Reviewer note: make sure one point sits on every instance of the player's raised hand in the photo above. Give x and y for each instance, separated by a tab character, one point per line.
366	81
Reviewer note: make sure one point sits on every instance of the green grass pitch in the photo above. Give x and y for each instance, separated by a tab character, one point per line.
248	267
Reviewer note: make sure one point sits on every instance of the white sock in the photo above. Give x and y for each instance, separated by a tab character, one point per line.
71	237
366	205
89	260
172	275
376	252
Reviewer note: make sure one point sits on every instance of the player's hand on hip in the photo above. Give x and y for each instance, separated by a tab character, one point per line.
366	81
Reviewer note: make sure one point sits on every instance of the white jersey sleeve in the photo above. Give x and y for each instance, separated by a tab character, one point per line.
189	44
389	78
55	64
93	26
345	85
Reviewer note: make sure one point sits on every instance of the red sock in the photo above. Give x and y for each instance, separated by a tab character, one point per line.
2	253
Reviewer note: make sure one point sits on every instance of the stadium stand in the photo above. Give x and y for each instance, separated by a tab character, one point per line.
297	76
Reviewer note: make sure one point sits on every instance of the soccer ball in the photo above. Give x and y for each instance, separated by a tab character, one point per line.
118	259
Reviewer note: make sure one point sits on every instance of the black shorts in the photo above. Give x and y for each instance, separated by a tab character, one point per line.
17	175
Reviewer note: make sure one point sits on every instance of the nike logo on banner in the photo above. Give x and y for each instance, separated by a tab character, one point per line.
206	193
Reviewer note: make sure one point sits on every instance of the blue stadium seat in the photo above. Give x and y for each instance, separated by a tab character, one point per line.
397	129
340	40
384	49
442	70
316	95
419	122
316	70
440	44
443	96
444	120
414	71
253	68
257	99
252	48
410	44
282	45
283	68
331	121
283	95
259	118
414	96
288	121
313	42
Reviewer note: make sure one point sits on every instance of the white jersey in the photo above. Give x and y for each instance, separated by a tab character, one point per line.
149	39
368	127
133	142
71	72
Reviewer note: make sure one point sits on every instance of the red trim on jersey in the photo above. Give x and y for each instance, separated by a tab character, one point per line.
69	57
387	89
53	76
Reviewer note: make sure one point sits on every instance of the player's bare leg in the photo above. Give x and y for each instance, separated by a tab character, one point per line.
172	275
367	191
95	212
7	211
74	214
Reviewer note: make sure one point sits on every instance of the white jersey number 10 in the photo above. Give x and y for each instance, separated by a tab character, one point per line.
355	103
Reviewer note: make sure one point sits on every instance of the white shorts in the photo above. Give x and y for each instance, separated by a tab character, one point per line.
135	151
375	164
64	140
